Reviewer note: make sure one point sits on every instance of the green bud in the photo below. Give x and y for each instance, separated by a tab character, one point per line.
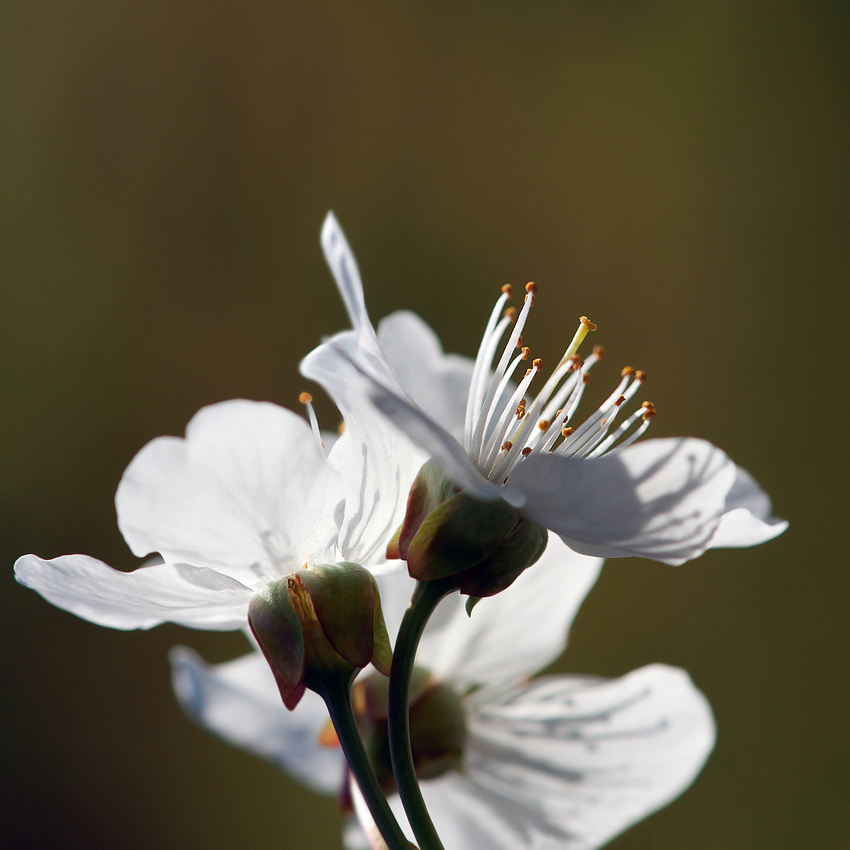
321	622
484	545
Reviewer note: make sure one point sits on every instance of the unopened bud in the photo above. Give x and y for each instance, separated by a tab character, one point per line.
319	622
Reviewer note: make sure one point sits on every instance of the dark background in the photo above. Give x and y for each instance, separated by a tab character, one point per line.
676	171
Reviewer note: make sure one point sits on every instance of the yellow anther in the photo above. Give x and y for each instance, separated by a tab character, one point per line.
544	424
305	398
508	290
627	370
507	446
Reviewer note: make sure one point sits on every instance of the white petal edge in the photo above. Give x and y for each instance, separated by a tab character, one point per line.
239	702
248	492
438	383
199	598
571	762
748	520
516	633
659	499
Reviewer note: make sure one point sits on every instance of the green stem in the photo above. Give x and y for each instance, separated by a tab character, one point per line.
336	692
426	597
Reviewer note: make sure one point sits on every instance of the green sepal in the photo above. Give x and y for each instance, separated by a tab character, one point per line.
343	597
458	534
275	624
516	553
382	651
471	602
430	489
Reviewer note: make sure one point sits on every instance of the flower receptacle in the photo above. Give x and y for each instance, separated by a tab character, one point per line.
325	621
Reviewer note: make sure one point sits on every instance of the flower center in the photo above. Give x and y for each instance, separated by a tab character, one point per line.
502	427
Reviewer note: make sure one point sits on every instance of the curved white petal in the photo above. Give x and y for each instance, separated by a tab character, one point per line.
239	701
437	382
175	593
343	266
748	520
571	762
247	492
345	379
515	633
377	463
660	499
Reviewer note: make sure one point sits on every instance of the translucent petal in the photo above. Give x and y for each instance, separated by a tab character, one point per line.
514	634
571	762
437	382
340	375
176	593
748	520
247	492
377	462
239	701
659	499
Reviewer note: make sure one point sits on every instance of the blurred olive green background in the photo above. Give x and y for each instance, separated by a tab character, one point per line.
676	171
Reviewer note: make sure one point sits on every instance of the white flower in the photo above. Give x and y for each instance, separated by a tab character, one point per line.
556	762
604	495
247	497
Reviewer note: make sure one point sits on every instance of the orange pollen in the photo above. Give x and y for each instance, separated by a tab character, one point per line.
526	352
587	323
565	432
649	410
619	401
627	370
510	313
576	362
305	398
640	375
528	372
537	363
585	378
508	290
507	446
531	286
599	351
341	427
526	451
544	424
519	341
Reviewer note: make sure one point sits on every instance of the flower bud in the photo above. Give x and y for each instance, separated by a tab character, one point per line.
446	532
321	622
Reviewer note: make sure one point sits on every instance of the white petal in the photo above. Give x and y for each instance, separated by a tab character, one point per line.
437	382
175	593
515	633
239	701
748	520
343	266
396	589
339	373
659	499
570	762
247	492
377	462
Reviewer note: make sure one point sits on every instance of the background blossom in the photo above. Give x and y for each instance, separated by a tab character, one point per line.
562	761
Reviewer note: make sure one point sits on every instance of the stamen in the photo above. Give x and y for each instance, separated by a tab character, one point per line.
480	372
307	400
484	411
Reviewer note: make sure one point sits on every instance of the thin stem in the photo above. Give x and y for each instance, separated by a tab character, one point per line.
425	599
337	696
